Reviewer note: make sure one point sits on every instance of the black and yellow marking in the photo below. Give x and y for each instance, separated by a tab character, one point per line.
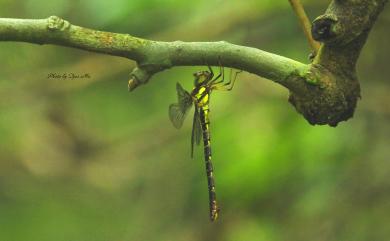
204	83
214	209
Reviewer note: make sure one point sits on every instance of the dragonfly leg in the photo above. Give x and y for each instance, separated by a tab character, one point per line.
221	73
229	85
211	71
217	77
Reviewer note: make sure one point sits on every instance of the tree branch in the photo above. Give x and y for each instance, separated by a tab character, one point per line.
151	56
305	24
55	30
325	92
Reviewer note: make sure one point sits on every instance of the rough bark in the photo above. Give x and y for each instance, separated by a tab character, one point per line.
343	30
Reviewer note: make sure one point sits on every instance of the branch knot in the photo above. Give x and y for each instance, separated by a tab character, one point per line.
55	23
325	27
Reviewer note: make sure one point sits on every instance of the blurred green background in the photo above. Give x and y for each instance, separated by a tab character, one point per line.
84	160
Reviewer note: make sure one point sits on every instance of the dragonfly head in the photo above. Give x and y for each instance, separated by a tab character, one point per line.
202	76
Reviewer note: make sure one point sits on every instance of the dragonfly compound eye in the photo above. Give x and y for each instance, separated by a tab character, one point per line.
197	74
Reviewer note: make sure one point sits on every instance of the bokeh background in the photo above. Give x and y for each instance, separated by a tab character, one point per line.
84	160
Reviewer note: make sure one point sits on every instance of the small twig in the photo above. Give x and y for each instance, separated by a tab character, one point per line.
305	23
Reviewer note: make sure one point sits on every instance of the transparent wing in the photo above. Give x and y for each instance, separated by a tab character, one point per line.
178	112
176	115
184	98
196	131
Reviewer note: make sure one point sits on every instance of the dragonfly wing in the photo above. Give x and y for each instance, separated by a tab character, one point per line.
178	112
176	115
197	127
196	131
193	135
184	98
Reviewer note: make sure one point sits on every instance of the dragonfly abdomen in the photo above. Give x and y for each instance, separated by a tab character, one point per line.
204	120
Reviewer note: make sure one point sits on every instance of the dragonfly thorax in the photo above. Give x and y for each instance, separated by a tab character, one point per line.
201	96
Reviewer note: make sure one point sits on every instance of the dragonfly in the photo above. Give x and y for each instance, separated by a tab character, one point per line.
204	83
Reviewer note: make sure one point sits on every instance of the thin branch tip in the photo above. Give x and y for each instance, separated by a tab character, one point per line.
305	24
138	76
